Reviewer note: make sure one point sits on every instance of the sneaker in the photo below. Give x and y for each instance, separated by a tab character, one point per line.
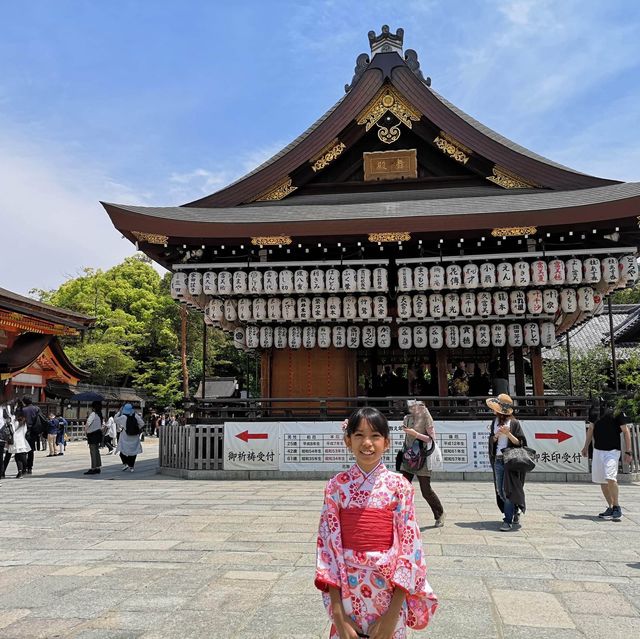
440	521
506	527
616	515
125	468
29	471
130	470
607	514
60	454
19	476
91	471
516	519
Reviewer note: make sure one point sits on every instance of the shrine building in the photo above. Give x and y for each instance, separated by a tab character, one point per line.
396	232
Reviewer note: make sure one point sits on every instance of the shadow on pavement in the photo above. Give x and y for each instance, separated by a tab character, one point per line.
144	470
582	517
478	525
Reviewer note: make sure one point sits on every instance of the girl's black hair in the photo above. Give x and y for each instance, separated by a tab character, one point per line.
97	409
112	413
375	418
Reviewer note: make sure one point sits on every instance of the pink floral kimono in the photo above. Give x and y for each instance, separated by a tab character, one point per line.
368	545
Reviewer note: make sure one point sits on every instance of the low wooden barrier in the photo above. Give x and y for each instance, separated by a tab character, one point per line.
191	447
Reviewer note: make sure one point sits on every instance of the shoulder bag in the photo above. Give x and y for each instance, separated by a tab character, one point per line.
520	459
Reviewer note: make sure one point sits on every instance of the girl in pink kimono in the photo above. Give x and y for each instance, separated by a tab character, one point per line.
370	562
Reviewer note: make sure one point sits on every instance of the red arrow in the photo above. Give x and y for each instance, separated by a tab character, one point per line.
560	436
245	436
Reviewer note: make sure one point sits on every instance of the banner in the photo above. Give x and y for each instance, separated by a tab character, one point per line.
251	445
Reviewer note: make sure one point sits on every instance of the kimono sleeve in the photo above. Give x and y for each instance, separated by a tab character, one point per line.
329	544
410	572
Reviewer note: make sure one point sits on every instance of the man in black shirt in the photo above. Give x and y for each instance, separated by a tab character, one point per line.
605	433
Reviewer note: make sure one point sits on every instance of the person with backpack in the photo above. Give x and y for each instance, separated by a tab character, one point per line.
37	425
93	430
130	426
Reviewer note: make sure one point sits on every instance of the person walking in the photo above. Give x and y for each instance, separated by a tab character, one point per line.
52	435
418	425
93	430
110	434
60	436
506	432
20	447
34	429
6	436
605	433
130	425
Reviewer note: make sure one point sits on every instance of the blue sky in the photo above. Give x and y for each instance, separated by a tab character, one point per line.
161	102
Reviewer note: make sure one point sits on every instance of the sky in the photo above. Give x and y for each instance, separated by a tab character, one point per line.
162	102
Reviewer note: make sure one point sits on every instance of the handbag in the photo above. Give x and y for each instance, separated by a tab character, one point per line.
520	459
435	460
6	433
415	456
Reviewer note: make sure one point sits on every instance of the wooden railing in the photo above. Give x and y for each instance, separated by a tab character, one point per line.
191	447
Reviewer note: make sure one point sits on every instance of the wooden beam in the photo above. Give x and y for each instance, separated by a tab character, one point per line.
443	382
518	360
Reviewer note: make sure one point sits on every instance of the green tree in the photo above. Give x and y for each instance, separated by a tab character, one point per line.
590	372
629	380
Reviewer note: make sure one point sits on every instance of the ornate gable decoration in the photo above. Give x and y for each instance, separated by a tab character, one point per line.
509	180
451	147
330	152
278	191
388	100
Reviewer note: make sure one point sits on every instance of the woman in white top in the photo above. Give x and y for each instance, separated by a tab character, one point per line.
93	430
20	446
129	425
110	434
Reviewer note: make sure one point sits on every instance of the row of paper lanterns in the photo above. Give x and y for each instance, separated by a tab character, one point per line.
434	336
419	306
592	270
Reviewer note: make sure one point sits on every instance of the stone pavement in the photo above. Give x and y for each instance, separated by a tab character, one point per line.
147	556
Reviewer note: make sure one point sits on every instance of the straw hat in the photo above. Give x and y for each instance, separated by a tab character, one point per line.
502	404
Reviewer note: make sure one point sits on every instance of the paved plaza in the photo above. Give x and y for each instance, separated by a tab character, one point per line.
120	556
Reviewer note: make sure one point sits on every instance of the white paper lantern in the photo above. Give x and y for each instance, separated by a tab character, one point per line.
436	337
452	336
505	274
487	275
318	308
349	280
294	337
498	335
573	271
364	280
436	305
568	300
289	308
353	337
534	301
454	276
210	283
384	336
301	281
466	336
548	334
380	310
280	337
324	336
515	336
591	270
610	271
350	307
420	306
274	308
194	283
240	282
215	310
266	336
334	307
178	285
586	301
239	338
230	310
471	276
369	336
452	304
483	335
259	308
420	337
531	334
285	281
255	282
468	304
550	301
421	278
270	282
332	280
484	306
380	280
244	311
521	274
317	280
405	279
501	303
253	336
309	336
557	274
437	277
539	273
405	337
404	306
628	265
365	307
304	308
225	286
339	336
518	302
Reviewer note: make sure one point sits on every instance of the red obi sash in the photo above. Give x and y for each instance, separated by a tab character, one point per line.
366	529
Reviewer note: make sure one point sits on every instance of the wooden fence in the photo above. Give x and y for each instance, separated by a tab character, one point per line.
191	447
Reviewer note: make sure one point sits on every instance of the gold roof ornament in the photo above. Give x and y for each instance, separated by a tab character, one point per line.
514	231
330	152
451	147
399	236
509	180
150	238
271	240
278	191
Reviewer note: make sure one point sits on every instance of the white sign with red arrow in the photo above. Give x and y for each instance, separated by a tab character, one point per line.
251	446
558	445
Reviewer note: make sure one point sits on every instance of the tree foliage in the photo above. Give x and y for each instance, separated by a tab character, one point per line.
590	372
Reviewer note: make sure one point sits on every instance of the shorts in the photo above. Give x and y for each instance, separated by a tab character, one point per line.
604	466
